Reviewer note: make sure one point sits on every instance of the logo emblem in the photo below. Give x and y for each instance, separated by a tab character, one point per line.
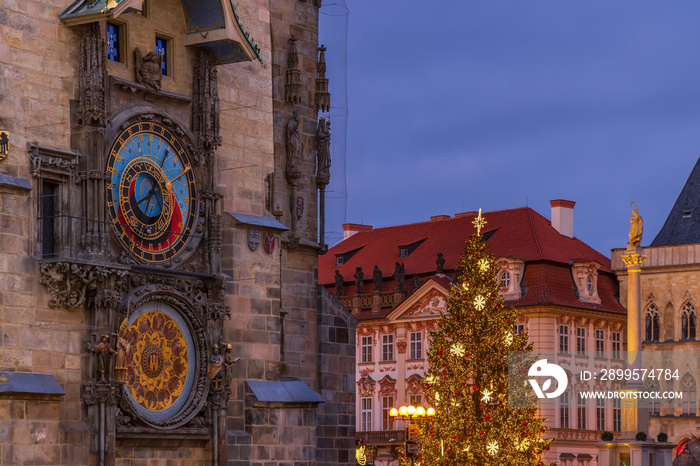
253	239
4	144
269	242
542	368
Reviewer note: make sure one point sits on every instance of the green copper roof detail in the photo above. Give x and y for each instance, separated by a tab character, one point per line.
250	40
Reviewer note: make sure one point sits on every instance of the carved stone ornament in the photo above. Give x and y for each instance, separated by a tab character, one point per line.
365	386
323	151
68	283
218	311
323	97
294	148
57	162
100	392
292	87
401	346
205	105
148	69
93	71
633	261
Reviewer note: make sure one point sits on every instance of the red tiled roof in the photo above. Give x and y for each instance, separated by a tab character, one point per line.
520	232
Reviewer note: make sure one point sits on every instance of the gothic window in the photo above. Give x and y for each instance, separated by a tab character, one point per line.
163	48
652	323
115	42
688	322
655	403
55	171
689	394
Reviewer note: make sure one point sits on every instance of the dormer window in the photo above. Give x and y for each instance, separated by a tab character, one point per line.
510	276
687	213
405	251
341	259
585	276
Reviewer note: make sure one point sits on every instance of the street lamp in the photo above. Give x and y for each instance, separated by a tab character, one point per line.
415	416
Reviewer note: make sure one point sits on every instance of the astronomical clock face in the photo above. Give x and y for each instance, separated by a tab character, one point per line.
160	362
151	192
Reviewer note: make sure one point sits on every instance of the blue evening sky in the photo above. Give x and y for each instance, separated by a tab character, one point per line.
497	104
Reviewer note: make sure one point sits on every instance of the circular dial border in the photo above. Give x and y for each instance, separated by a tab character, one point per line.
151	192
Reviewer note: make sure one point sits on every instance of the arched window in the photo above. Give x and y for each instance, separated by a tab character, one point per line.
655	403
505	279
689	394
652	323
589	284
688	322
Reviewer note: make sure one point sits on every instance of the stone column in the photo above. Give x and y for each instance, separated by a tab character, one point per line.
635	412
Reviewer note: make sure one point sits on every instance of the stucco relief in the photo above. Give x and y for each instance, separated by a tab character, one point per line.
413	386
365	386
432	304
401	346
387	386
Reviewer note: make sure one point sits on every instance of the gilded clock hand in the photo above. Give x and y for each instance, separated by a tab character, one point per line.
169	184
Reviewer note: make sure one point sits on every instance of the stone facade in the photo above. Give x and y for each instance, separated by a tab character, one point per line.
669	285
67	277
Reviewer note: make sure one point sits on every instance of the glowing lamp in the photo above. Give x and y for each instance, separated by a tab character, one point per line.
393	412
411	410
402	411
430	411
420	411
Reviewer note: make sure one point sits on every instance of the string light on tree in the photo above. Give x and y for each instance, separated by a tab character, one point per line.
467	379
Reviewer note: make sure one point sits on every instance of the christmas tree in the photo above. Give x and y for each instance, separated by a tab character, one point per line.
468	383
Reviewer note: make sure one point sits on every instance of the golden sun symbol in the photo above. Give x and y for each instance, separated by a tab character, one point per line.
479	302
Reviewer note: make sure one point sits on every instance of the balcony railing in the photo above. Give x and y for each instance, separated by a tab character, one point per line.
382	437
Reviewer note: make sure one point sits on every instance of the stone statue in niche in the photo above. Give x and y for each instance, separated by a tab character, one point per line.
338	284
377	277
104	351
120	359
400	275
359	280
294	147
323	150
216	364
148	69
636	227
228	365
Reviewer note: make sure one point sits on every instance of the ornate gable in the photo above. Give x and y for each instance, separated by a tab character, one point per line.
428	301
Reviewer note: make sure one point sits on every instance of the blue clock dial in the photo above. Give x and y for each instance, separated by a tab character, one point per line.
151	192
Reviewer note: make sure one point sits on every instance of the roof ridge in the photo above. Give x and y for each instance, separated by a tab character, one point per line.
534	233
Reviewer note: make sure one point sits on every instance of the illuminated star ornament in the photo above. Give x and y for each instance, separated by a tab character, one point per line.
492	448
458	350
479	302
509	339
486	396
484	264
479	223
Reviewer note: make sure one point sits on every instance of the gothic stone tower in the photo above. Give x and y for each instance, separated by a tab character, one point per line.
151	237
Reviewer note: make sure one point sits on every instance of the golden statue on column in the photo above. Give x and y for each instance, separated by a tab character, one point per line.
636	227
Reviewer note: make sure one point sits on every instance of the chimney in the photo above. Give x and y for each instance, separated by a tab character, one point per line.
563	216
437	218
350	229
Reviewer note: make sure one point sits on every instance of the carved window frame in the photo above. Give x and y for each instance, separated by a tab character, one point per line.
688	322
58	167
651	323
